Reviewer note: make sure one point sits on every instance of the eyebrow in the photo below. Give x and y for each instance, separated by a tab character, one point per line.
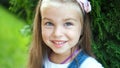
70	19
66	19
45	18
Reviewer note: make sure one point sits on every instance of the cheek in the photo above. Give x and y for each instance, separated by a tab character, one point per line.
45	34
75	35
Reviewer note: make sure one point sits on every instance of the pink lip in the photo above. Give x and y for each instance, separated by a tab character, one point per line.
58	43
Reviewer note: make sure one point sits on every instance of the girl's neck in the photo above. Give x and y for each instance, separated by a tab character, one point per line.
58	58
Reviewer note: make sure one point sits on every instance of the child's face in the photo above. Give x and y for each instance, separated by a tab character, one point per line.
61	27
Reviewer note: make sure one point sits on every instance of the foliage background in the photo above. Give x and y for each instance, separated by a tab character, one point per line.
13	45
106	32
105	24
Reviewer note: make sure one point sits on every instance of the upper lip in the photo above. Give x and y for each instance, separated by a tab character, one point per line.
56	41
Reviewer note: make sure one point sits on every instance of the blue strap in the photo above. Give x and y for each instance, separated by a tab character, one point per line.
78	60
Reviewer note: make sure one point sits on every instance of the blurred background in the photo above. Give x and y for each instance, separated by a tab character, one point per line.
14	41
16	18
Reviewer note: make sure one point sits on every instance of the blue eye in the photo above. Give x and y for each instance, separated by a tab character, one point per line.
68	24
49	24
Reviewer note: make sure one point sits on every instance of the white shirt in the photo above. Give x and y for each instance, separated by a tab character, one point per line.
91	63
88	63
49	64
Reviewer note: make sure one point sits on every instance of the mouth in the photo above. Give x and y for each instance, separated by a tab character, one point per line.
58	43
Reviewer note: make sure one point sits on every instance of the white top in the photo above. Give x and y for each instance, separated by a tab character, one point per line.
49	64
88	63
91	63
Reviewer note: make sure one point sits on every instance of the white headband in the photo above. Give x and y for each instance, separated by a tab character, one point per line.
85	5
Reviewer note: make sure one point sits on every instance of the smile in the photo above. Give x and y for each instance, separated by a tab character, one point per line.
58	43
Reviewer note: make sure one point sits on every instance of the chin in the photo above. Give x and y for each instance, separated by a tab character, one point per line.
59	51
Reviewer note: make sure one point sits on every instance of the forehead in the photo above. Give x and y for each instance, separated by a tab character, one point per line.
52	7
58	3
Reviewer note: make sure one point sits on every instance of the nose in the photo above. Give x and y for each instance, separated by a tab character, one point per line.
58	32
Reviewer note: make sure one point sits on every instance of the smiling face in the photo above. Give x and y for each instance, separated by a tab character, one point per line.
61	26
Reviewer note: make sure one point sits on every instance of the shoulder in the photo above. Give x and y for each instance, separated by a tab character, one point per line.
91	63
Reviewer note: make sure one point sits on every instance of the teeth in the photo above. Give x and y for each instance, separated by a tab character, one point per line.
58	42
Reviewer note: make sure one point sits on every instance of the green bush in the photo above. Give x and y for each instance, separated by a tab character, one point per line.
105	26
13	45
24	8
106	33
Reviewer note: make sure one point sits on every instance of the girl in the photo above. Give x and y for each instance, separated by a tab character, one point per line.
61	35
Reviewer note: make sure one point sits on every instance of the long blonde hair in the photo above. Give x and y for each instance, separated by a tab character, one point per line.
38	47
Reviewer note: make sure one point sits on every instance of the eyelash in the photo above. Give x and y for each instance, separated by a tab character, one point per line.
68	24
49	24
